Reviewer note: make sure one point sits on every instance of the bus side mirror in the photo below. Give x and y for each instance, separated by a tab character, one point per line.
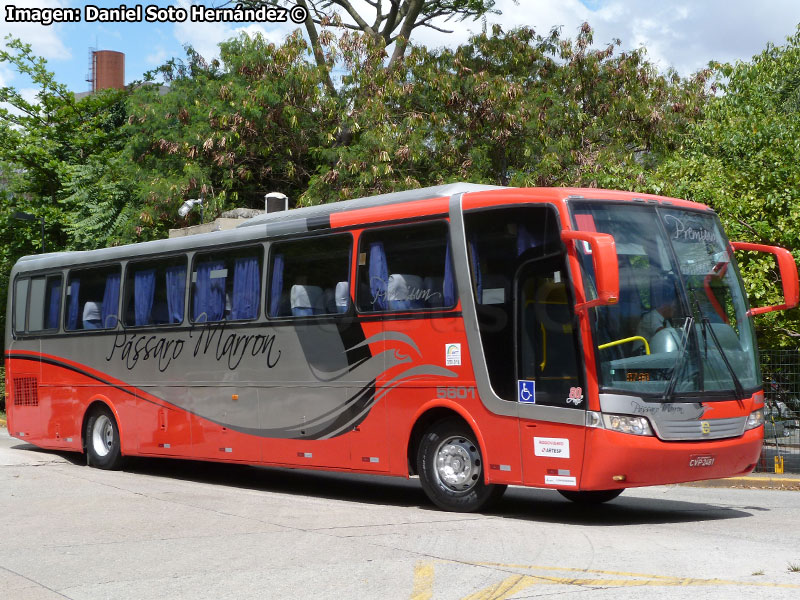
606	267
788	270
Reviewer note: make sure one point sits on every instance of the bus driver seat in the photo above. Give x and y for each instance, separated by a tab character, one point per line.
656	324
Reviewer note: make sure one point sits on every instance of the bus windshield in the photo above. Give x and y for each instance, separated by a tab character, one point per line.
680	328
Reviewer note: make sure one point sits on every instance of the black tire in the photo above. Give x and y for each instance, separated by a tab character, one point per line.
102	440
593	497
450	468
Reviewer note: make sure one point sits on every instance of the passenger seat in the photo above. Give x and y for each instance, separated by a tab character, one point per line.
306	300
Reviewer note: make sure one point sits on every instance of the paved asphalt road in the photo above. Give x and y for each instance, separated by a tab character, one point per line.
173	529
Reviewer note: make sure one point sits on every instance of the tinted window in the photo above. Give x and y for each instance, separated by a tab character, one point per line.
405	268
226	286
155	292
20	304
45	303
310	277
93	298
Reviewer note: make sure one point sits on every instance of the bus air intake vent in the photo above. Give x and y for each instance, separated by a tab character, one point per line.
26	391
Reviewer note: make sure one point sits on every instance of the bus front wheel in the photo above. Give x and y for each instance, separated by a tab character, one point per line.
102	440
450	468
592	497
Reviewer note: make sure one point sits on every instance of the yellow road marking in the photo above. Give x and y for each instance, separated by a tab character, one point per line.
516	583
657	579
423	581
505	589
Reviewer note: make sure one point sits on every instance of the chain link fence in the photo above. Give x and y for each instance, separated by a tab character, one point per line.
781	372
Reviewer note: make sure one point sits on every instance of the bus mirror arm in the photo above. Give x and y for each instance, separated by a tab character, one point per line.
788	270
606	267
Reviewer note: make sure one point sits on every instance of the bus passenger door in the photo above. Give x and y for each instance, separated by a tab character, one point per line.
547	355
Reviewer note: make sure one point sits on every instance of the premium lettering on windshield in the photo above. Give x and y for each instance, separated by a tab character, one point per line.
688	233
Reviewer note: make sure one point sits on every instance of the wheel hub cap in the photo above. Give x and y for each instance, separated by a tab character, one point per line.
458	464
102	435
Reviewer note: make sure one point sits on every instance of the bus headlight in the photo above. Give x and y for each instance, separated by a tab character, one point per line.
755	419
627	424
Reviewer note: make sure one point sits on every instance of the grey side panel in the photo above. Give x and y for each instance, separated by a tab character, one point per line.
490	400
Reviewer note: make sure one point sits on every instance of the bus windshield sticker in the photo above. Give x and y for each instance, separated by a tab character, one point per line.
452	354
575	396
552	447
526	391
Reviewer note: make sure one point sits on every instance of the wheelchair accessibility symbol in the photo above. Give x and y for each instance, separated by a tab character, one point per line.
526	391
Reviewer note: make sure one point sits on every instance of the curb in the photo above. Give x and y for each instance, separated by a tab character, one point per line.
755	482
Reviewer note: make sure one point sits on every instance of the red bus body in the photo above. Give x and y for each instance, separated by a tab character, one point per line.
210	409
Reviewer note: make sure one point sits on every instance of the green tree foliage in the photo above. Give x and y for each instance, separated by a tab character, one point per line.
58	160
232	130
506	108
386	22
742	160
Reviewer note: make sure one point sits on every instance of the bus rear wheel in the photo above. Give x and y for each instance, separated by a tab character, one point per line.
450	468
591	497
102	440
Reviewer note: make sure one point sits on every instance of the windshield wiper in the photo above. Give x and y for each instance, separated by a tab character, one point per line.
736	383
673	380
705	326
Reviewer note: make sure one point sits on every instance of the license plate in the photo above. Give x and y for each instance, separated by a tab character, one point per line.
701	460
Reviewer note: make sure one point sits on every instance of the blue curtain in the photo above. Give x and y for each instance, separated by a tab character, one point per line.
54	285
209	293
109	311
525	240
246	288
476	269
176	291
276	287
74	303
378	275
144	288
449	283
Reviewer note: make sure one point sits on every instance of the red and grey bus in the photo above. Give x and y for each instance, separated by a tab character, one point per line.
582	340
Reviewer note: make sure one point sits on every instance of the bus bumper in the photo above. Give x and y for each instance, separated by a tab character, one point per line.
618	460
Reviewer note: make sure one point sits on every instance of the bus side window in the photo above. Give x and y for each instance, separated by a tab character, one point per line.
20	303
44	304
93	298
408	267
310	276
226	286
155	292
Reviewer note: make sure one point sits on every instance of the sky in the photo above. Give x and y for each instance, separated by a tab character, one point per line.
682	34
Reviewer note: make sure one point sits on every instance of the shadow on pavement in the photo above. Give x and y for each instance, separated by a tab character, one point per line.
518	503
